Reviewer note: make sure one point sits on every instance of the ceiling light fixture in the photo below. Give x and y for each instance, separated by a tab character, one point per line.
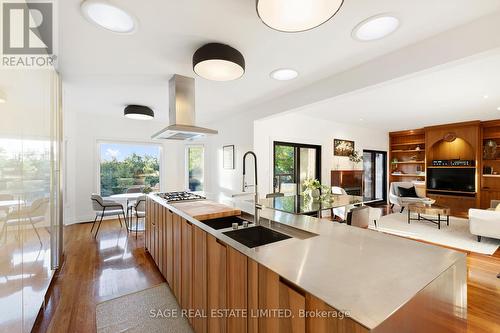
296	15
498	108
375	27
218	62
138	112
3	99
108	16
284	74
486	96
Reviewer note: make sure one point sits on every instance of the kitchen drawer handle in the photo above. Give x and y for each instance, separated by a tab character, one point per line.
292	286
220	242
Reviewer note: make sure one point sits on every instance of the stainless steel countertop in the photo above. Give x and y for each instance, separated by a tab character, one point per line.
366	273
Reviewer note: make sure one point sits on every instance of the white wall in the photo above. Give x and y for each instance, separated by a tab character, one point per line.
299	128
83	131
222	183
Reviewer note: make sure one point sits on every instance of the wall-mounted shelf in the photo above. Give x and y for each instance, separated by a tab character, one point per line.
406	175
493	176
408	162
410	143
408	151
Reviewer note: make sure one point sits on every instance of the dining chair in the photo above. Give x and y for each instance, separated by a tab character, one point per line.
27	216
341	211
6	197
135	189
139	208
359	217
274	195
104	208
375	215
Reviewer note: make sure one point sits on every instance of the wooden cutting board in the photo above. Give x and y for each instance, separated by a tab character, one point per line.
206	209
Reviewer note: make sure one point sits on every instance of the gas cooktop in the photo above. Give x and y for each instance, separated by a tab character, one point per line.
180	196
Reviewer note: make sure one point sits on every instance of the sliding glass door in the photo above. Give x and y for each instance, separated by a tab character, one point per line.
293	164
375	175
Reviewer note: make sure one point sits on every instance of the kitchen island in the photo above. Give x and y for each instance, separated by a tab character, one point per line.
328	277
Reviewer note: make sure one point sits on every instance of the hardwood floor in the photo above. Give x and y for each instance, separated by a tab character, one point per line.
95	270
115	265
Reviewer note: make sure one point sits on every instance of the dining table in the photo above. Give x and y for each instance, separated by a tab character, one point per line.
305	205
125	199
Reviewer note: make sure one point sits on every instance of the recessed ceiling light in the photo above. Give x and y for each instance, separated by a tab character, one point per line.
296	15
375	27
108	16
498	108
284	74
218	62
3	99
486	96
138	112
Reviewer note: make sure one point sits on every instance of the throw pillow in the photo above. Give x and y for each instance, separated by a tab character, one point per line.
408	192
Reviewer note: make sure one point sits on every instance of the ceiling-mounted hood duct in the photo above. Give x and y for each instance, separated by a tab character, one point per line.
182	112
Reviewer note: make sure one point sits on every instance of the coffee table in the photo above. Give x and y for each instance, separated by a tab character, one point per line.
433	210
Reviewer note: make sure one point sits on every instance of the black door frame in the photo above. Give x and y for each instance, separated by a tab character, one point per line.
384	188
296	147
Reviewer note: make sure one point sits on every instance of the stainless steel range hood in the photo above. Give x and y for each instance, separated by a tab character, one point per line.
182	112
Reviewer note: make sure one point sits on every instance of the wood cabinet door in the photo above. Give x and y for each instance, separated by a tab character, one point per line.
169	249
269	296
147	224
199	279
177	278
186	265
237	289
159	237
152	237
217	284
293	299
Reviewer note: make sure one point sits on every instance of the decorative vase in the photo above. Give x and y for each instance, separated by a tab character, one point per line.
314	193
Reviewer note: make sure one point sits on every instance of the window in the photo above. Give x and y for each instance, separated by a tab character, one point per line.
195	167
127	168
293	164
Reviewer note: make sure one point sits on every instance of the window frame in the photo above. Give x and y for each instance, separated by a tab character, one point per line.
186	166
99	142
296	146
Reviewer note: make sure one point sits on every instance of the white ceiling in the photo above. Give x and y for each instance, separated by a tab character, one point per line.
451	93
103	71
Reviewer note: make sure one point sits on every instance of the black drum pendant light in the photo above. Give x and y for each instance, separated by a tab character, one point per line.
218	62
296	15
139	112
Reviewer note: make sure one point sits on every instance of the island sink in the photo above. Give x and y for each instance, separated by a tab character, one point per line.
256	236
223	222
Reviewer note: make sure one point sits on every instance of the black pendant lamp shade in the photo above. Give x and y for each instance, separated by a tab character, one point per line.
218	62
140	112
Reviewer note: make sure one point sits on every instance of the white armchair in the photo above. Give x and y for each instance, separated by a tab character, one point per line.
485	222
402	202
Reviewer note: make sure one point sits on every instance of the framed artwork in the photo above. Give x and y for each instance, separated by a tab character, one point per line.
228	157
343	147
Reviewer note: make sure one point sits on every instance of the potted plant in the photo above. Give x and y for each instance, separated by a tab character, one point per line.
312	188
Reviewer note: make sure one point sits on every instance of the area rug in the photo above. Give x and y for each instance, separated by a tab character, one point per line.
151	310
455	235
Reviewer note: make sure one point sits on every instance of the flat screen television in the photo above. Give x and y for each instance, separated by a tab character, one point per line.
452	179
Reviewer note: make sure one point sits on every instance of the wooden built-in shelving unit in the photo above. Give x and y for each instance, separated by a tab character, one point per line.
407	155
490	183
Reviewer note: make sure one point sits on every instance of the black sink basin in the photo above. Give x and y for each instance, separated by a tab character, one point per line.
223	222
256	236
